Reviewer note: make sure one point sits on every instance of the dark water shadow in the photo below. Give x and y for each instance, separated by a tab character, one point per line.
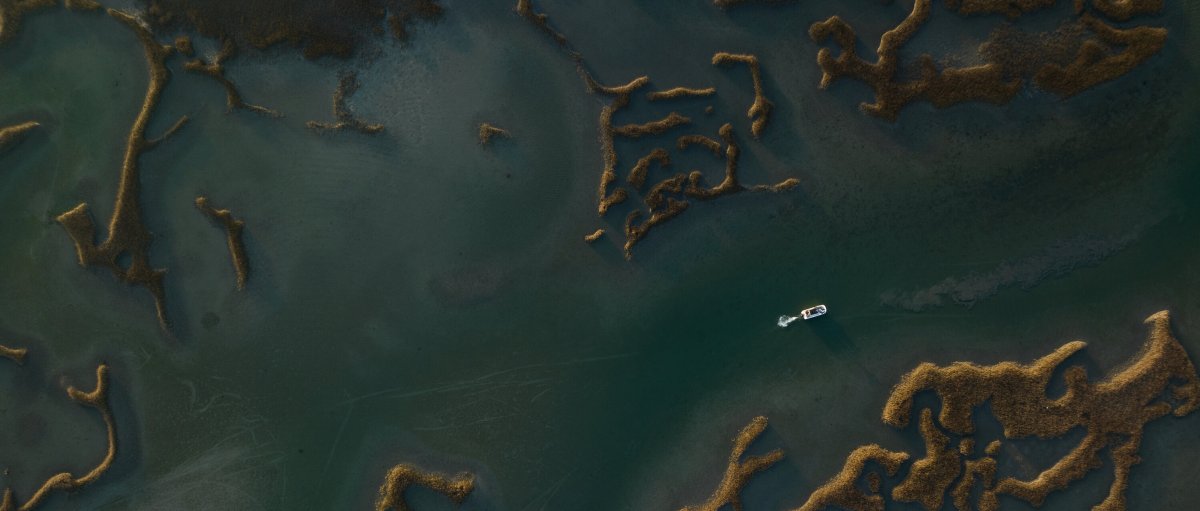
835	338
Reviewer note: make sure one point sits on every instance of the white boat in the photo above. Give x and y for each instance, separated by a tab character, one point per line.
806	314
813	312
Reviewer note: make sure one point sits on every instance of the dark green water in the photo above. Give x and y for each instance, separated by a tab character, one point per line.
417	298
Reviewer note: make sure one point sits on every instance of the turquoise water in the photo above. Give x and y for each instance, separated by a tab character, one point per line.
417	298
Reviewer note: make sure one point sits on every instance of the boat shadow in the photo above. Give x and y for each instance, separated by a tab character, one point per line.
835	338
832	335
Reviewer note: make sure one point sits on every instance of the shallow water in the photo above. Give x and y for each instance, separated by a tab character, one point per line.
415	297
